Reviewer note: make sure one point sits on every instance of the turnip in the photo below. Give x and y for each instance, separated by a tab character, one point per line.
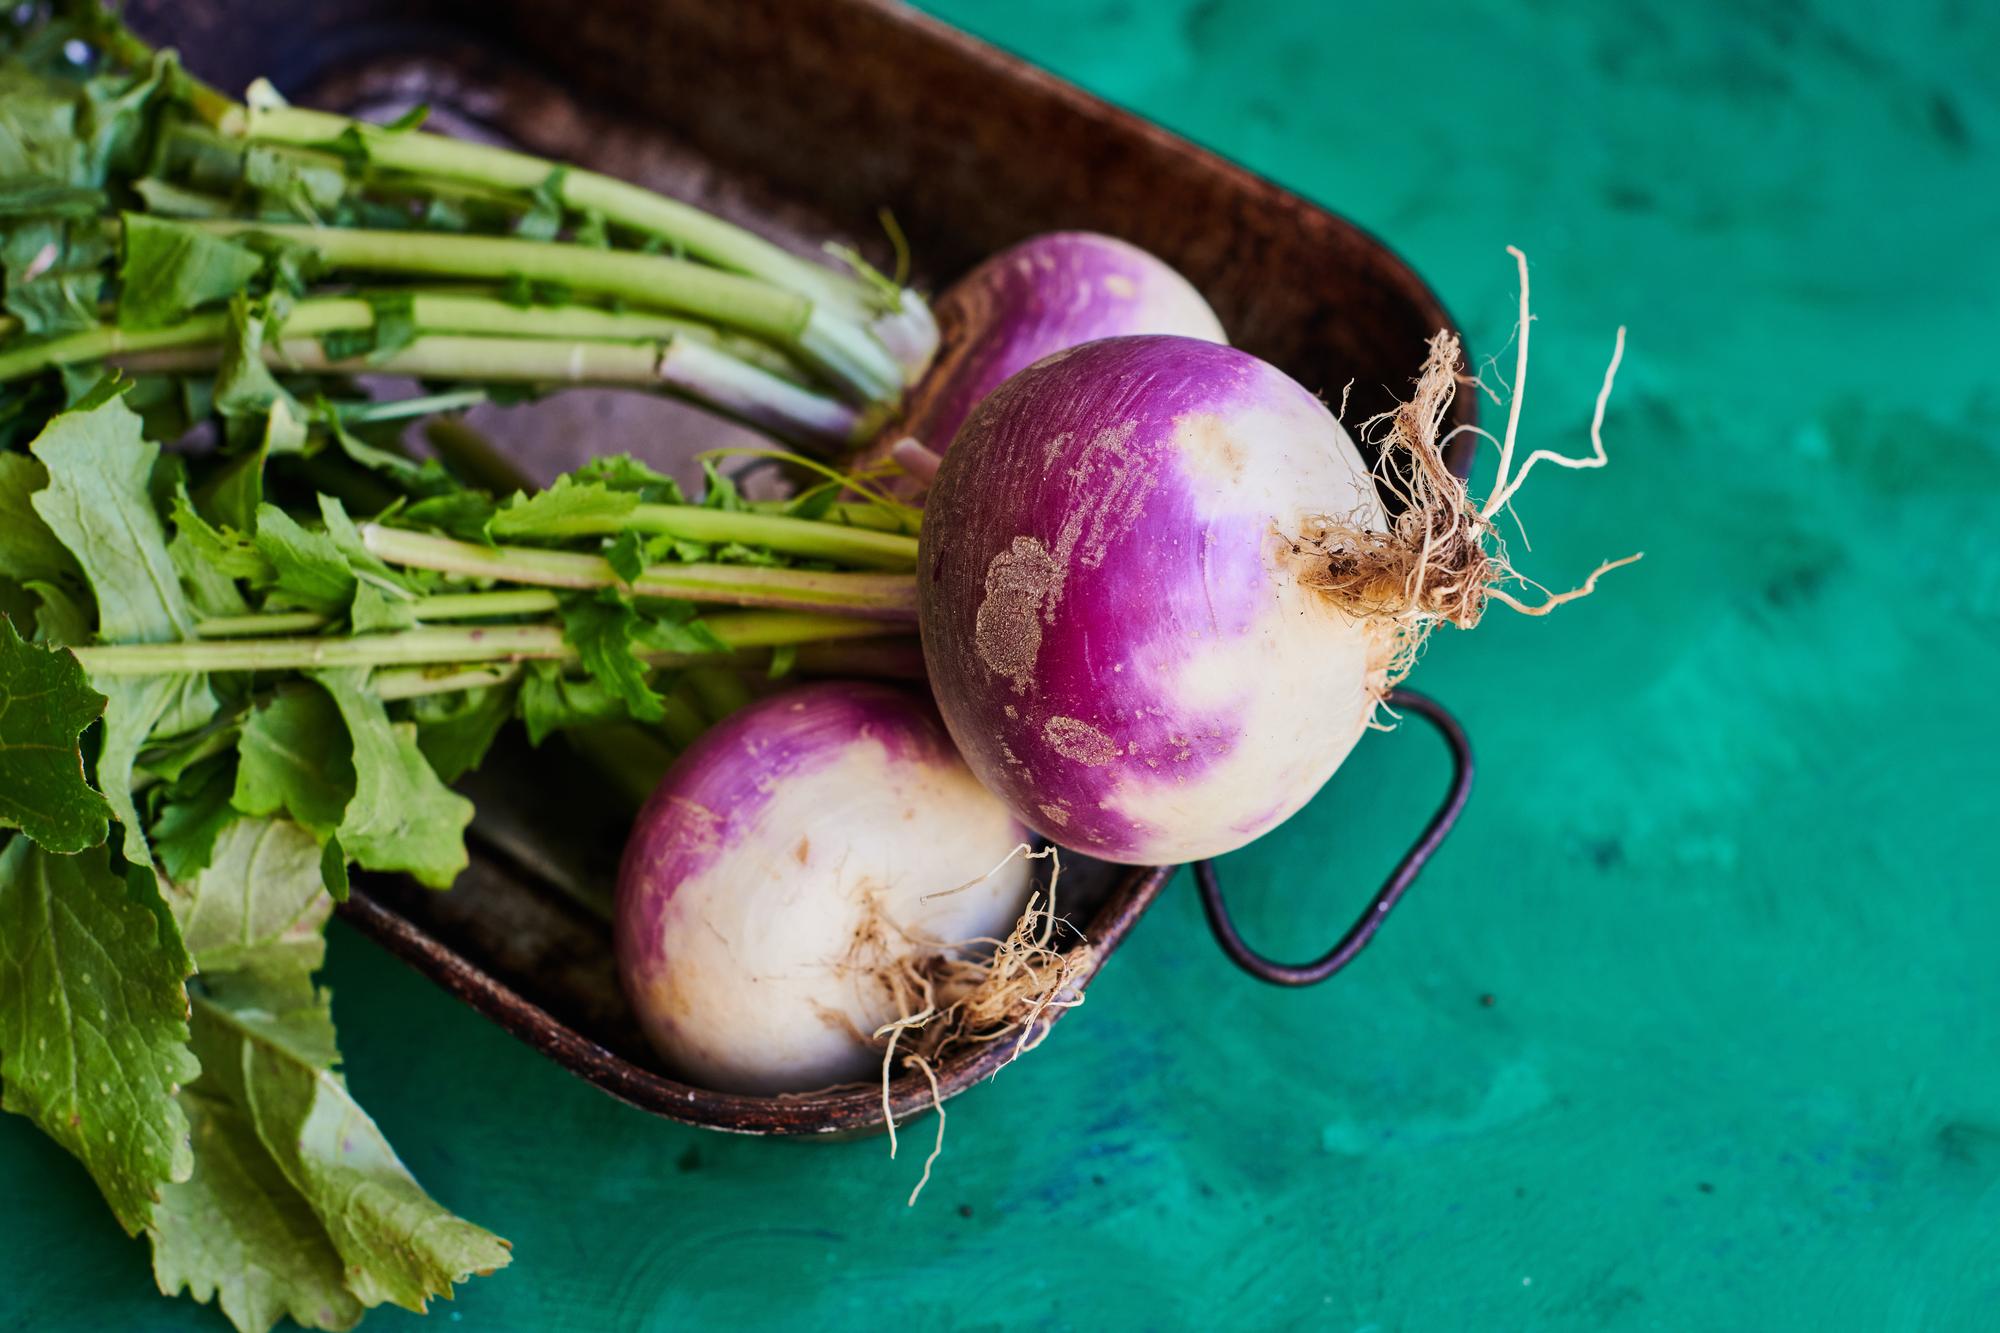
1161	596
1046	293
803	874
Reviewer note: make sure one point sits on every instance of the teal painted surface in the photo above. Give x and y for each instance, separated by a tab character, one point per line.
1730	875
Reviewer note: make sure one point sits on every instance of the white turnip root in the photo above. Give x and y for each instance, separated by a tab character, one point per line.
798	865
1161	596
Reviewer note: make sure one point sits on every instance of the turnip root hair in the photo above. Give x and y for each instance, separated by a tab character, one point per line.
969	993
1441	559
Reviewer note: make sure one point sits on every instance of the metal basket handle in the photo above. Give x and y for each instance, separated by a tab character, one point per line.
1392	890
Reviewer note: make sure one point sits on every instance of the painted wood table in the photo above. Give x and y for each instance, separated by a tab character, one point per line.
1696	1023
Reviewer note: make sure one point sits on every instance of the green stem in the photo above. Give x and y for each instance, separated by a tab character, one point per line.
456	646
855	514
880	657
431	312
251	626
443	606
660	281
806	537
479	605
412	682
619	203
892	596
702	374
107	341
402	409
840	347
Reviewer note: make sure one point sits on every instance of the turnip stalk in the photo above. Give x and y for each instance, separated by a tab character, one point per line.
885	596
839	348
457	645
618	202
688	369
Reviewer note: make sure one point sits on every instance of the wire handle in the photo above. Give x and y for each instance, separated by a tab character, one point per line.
1392	890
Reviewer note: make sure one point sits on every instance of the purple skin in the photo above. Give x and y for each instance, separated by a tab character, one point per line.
710	798
1048	293
1112	620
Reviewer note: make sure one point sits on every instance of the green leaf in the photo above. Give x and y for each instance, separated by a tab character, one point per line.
376	611
347	540
210	587
466	515
232	495
426	477
544	217
455	730
622	472
562	510
815	503
245	389
258	905
135	708
237	1233
28	549
194	814
305	187
296	1205
552	701
59	615
170	269
40	197
268	1043
333	869
93	1023
402	817
295	756
57	300
393	327
602	630
231	553
672	627
99	504
626	554
720	492
307	566
45	703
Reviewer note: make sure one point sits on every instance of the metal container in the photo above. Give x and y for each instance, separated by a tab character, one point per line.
802	121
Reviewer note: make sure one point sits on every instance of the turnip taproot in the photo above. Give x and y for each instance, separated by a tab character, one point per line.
791	869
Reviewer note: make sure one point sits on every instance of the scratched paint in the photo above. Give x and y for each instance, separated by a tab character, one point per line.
1728	877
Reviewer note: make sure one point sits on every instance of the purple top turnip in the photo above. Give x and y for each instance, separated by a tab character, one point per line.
795	853
1118	621
1045	294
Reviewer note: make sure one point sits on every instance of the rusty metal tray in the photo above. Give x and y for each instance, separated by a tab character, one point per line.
801	121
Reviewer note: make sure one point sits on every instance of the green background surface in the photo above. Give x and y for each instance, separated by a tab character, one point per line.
1729	876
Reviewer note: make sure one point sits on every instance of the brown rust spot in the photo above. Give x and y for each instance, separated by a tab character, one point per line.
1077	740
802	851
1007	630
1024	583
